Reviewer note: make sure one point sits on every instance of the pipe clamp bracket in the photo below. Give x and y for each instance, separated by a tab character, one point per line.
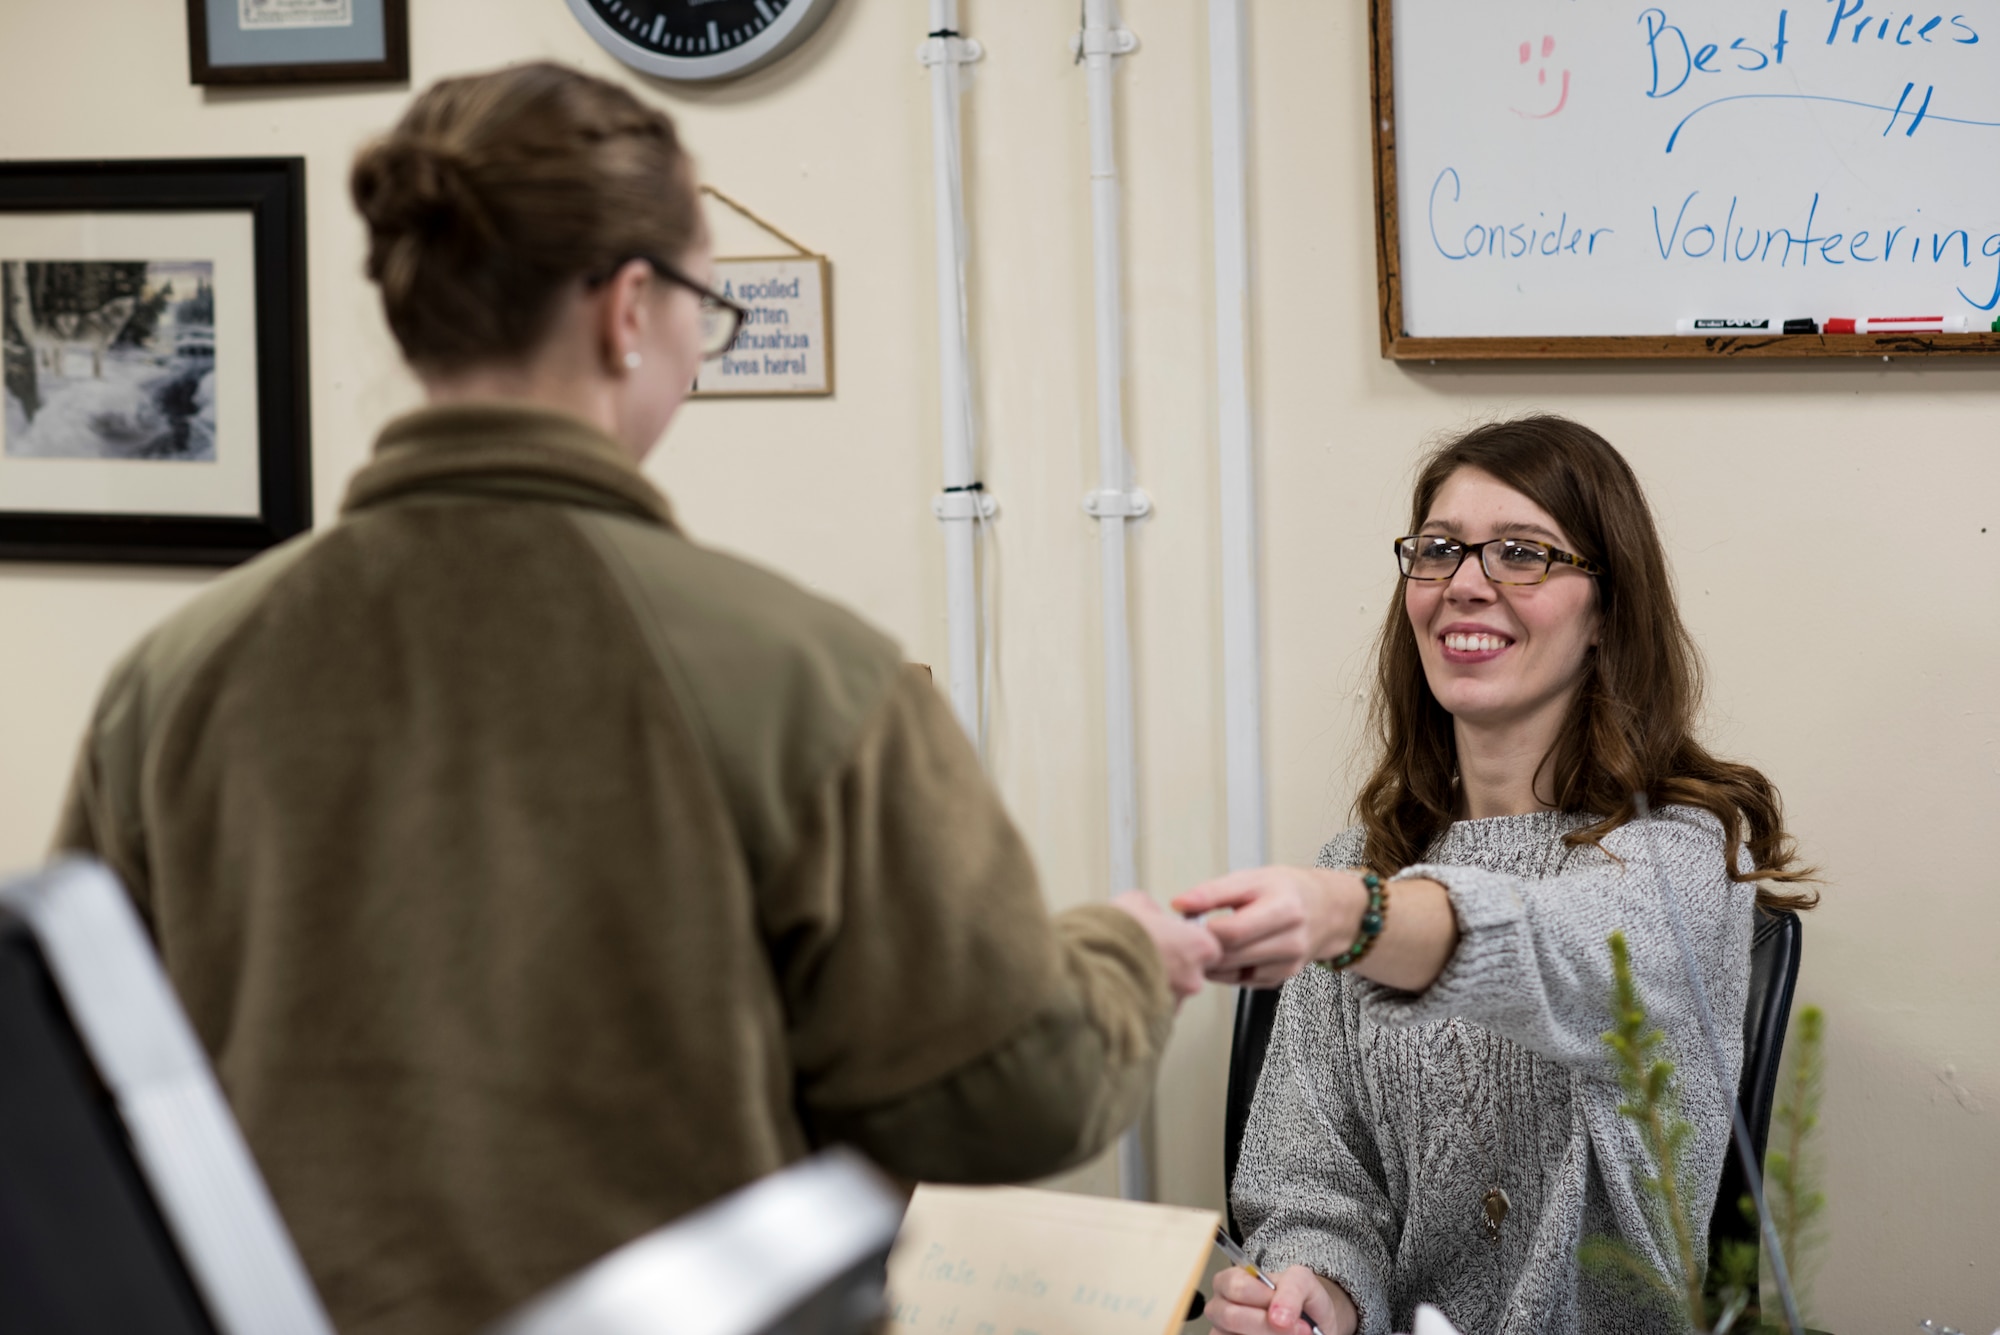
1103	42
948	48
1133	504
963	503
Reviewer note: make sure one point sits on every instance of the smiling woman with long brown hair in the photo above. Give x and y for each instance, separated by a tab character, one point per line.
1437	1118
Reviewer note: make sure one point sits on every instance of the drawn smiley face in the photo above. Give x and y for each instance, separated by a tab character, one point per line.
1540	68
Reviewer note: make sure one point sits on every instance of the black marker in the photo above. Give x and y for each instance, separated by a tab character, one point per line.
1766	324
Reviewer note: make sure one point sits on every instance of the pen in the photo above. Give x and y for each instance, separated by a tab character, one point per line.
1754	324
1897	324
1242	1258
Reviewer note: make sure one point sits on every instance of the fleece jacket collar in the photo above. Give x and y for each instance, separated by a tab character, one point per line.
501	450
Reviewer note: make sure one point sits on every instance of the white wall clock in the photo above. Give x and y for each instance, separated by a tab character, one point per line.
693	40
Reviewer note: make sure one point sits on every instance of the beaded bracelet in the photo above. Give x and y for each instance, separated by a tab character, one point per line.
1371	924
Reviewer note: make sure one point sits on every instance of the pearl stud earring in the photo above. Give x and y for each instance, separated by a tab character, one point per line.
631	361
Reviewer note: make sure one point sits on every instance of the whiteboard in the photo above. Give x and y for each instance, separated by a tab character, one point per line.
1608	167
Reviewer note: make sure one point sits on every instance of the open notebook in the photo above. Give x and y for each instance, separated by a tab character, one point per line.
1016	1261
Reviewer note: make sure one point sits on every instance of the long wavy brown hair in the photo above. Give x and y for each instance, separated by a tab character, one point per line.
1630	728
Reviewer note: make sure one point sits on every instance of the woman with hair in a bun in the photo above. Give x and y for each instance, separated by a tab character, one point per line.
534	875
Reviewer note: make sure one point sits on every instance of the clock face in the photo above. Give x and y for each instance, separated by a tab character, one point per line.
698	39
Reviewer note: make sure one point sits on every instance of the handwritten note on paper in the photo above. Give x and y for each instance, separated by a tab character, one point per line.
1015	1261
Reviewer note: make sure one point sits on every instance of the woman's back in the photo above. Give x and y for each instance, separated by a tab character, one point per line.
533	875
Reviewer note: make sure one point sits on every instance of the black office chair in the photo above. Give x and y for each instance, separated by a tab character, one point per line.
1774	970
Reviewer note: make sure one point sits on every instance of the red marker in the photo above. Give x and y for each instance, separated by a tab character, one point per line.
1897	324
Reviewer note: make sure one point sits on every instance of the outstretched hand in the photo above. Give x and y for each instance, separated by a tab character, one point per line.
1243	1306
1280	920
1187	948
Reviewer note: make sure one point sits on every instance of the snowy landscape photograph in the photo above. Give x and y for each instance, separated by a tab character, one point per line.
108	359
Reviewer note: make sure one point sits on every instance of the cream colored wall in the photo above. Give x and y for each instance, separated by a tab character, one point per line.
1805	507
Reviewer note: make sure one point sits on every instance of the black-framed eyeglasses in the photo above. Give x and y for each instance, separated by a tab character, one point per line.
1434	557
721	319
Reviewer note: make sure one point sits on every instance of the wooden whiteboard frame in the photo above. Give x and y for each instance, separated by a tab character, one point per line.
1398	345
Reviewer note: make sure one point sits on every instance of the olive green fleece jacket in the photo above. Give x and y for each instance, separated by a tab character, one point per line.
534	875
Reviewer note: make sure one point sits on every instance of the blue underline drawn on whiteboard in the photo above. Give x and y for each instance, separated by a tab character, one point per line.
1917	117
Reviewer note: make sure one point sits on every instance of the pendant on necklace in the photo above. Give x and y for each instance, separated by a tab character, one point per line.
1497	1206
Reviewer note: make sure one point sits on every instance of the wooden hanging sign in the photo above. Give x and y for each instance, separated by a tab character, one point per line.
785	346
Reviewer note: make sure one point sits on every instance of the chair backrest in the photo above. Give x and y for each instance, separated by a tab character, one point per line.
1774	970
128	1200
1256	1008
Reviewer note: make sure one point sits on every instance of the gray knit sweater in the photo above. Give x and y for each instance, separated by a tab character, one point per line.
1383	1118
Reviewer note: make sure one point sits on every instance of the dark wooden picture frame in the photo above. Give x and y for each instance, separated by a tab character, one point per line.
272	192
1399	345
393	67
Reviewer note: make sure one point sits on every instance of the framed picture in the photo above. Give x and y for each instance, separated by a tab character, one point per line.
153	356
785	342
785	346
298	41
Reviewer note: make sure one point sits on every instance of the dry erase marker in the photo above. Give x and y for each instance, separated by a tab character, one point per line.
1898	324
1236	1254
1759	324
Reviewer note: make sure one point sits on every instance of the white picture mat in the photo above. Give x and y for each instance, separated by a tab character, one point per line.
224	488
1755	146
259	14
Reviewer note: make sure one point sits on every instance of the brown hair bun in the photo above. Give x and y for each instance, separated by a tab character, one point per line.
404	185
495	191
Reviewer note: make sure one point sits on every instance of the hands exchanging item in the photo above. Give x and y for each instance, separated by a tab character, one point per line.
1188	949
1280	919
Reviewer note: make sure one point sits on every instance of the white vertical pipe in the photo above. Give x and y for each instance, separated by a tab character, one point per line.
957	509
1242	638
1101	39
1113	469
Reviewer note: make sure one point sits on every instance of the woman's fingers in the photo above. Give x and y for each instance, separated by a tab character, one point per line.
1238	1303
1187	949
1235	1318
1289	942
1275	906
1299	1297
1277	909
1281	919
1243	1305
1225	892
1274	974
1239	1286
